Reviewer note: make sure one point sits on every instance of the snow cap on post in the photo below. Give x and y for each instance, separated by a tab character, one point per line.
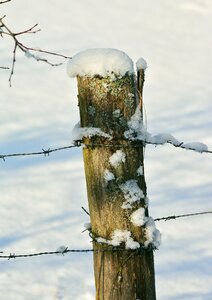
141	64
100	61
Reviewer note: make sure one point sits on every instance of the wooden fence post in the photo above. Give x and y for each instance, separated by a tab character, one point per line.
111	168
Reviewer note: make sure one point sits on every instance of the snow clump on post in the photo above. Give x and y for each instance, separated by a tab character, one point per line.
108	176
102	62
117	158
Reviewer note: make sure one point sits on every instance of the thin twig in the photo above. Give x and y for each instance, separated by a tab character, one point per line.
2	18
85	211
13	65
30	30
5	1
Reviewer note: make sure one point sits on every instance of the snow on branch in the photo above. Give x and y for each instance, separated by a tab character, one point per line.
6	31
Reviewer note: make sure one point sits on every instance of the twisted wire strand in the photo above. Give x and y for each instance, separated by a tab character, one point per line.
168	218
79	143
108	249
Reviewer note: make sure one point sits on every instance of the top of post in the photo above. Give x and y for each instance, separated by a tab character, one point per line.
141	64
100	61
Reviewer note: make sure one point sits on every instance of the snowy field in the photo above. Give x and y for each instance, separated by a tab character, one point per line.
41	197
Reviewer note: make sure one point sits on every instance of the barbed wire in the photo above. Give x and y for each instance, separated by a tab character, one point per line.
182	216
144	142
64	250
13	255
45	152
79	143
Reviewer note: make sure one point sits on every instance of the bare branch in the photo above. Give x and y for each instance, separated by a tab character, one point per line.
13	65
2	19
5	1
18	45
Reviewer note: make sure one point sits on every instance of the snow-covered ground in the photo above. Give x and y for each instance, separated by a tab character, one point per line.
41	197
